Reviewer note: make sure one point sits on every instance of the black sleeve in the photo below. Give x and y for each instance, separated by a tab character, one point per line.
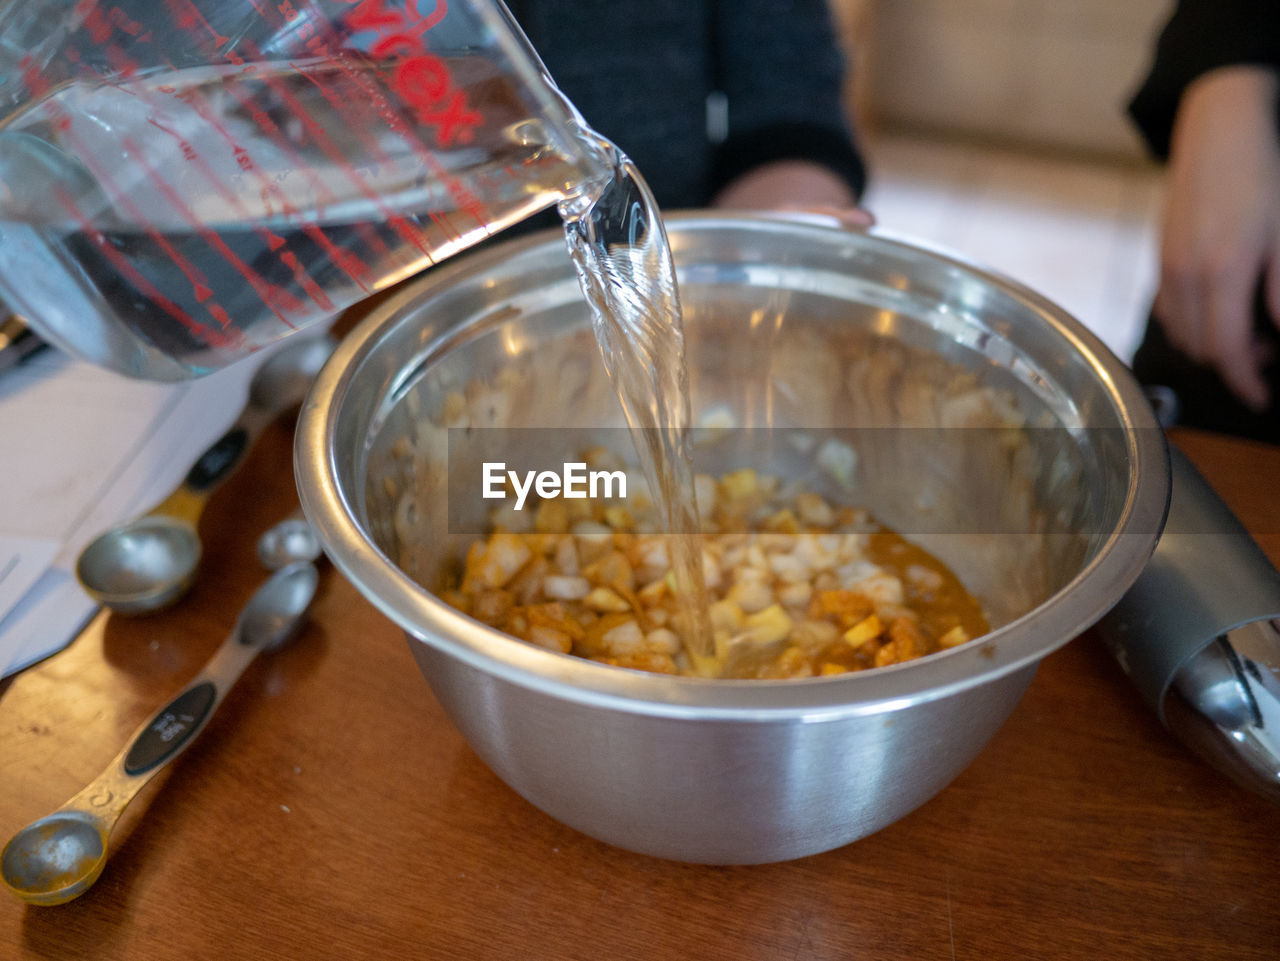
1201	36
782	71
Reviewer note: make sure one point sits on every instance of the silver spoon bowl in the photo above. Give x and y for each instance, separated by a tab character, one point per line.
291	541
142	566
150	562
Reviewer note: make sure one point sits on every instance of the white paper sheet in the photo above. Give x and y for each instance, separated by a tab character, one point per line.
22	561
82	449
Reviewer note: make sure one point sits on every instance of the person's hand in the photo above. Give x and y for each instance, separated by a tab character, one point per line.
795	185
1221	232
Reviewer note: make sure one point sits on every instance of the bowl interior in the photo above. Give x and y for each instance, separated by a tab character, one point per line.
964	411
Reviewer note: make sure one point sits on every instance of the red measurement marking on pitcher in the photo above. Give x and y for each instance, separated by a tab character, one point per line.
320	46
33	79
346	261
321	138
395	220
263	120
273	241
191	17
446	226
200	288
259	115
423	81
101	24
370	14
199	283
359	77
126	67
208	335
269	293
269	188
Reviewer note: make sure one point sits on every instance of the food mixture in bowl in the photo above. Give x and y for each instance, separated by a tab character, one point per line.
798	587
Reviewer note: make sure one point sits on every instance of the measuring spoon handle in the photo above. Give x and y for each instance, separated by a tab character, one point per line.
216	464
280	383
166	734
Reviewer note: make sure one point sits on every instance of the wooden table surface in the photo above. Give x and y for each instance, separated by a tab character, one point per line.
331	811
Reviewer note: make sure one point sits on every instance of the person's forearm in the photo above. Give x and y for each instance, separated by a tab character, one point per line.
789	183
1242	93
1221	231
795	185
1200	38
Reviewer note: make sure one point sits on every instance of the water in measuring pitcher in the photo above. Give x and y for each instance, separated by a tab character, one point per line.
166	225
208	212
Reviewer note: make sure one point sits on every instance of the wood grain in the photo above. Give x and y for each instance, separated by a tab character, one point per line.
331	811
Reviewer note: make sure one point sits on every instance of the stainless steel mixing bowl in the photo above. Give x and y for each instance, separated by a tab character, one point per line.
988	425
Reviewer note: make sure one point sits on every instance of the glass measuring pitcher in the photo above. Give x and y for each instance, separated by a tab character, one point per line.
184	181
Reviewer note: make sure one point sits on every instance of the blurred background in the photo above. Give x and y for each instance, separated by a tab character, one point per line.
997	128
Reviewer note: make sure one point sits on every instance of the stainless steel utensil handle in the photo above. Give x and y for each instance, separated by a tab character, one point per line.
216	464
1199	635
1206	577
166	734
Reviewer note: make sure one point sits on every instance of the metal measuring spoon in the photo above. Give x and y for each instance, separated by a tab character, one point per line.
58	857
148	563
291	541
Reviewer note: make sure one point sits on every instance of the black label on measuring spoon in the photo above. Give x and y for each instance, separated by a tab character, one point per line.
219	460
170	729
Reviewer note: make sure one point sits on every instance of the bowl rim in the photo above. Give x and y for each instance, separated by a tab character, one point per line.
1017	645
